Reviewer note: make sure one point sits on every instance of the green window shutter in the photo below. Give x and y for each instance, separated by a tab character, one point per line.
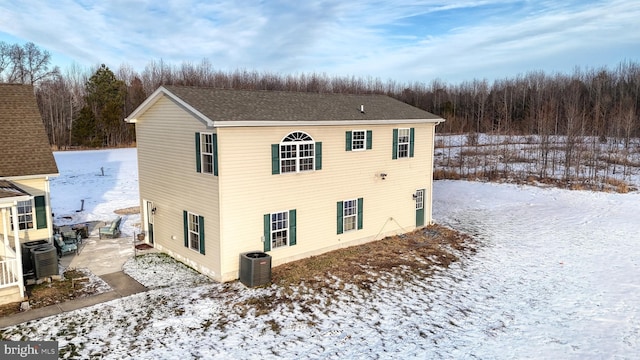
215	154
275	159
292	227
201	225
340	208
360	203
198	157
319	156
411	136
347	145
369	139
395	144
267	232
41	212
185	218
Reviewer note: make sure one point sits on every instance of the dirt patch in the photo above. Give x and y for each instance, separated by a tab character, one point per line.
128	211
144	246
75	284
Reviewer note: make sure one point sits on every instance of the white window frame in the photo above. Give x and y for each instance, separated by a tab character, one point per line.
419	199
297	153
359	144
404	137
193	221
26	215
349	215
279	235
206	153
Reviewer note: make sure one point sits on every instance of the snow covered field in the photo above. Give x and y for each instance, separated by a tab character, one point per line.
556	275
106	180
592	163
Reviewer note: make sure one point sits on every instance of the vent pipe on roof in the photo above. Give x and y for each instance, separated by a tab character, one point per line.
362	109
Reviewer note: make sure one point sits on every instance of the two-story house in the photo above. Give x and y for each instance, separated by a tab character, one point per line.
26	165
222	172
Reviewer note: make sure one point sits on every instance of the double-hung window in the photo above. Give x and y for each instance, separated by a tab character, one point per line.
25	215
207	153
297	152
279	229
403	143
194	231
349	215
357	140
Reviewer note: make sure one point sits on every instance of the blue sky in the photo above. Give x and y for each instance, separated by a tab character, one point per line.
402	40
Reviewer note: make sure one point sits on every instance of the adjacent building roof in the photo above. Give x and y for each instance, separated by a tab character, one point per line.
230	107
24	146
10	190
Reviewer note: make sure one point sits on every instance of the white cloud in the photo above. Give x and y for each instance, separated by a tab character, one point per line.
398	40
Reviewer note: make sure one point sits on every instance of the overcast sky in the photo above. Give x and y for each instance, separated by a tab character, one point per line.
403	40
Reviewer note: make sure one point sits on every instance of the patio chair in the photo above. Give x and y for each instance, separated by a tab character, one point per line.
70	236
64	248
113	230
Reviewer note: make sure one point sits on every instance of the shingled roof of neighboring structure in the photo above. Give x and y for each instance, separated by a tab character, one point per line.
24	146
9	190
228	105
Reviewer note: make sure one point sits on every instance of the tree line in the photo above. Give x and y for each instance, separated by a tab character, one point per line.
86	107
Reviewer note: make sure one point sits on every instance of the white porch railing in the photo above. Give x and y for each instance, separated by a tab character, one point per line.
9	271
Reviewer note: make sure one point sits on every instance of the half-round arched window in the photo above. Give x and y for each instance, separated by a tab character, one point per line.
297	152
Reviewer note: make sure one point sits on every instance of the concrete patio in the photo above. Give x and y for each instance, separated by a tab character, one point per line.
103	257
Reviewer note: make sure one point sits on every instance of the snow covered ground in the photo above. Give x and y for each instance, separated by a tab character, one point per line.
556	275
106	180
594	163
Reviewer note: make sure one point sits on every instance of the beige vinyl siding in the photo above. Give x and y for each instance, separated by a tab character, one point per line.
250	190
35	187
168	177
428	140
10	295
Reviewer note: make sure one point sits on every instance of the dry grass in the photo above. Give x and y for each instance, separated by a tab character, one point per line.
619	186
48	293
418	251
440	174
128	211
492	175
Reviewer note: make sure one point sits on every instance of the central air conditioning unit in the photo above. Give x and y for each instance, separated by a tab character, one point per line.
45	261
255	268
27	264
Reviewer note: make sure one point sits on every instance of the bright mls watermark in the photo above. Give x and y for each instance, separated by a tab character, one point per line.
36	350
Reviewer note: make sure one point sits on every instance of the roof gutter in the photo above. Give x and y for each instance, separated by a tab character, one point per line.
29	177
276	123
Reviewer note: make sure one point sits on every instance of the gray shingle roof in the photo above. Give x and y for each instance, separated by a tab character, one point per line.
9	190
24	146
256	105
